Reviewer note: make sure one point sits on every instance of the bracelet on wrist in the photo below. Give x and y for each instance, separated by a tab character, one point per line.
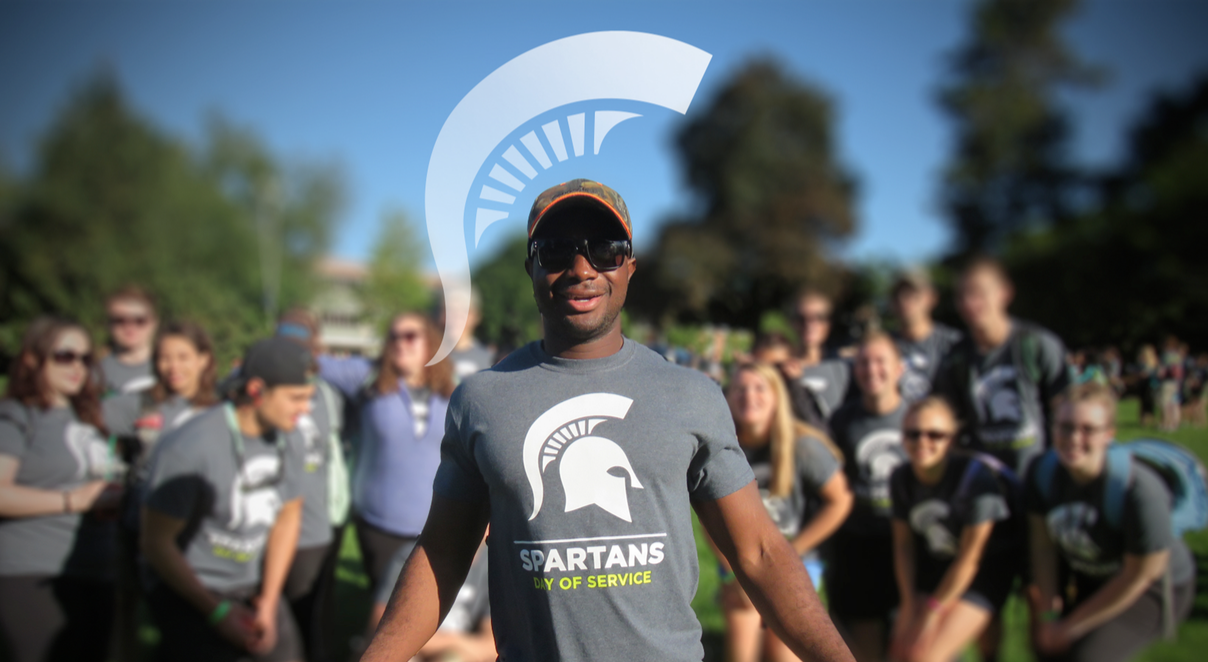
724	575
220	612
67	502
933	604
1050	616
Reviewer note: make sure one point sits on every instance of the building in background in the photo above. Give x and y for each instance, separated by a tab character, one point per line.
345	326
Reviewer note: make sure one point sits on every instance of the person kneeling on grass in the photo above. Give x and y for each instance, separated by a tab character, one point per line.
1098	592
956	539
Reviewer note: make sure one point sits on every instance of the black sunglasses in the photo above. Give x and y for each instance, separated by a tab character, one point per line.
67	357
558	254
930	435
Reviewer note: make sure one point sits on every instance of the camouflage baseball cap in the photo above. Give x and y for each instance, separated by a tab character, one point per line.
583	191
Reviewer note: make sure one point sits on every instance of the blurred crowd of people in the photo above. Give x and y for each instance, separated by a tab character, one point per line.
903	470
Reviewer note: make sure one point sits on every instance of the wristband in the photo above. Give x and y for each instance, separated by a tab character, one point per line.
1050	616
724	575
220	612
66	502
933	604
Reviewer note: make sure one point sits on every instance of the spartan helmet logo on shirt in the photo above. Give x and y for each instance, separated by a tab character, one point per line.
259	505
928	519
877	455
1069	526
997	396
91	452
564	433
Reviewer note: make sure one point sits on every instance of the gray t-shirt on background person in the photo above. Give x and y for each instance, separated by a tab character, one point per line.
589	469
55	452
229	505
473	601
312	439
872	449
814	467
122	412
829	381
1089	546
1002	408
922	360
118	377
469	361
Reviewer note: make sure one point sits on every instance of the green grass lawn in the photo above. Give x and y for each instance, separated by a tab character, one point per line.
352	592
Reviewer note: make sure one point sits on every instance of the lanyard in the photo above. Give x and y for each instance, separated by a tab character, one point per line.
237	445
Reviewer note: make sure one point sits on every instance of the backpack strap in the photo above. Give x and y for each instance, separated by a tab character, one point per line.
1046	471
967	478
1118	467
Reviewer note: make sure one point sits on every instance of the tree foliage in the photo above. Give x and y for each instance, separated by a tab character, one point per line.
1010	169
770	199
509	313
112	200
395	282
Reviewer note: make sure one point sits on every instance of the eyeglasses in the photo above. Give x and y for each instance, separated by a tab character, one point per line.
132	320
1069	429
405	336
67	357
818	318
930	435
559	254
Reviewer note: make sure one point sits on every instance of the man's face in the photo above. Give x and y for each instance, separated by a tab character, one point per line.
913	303
580	302
878	368
131	323
982	297
281	406
811	320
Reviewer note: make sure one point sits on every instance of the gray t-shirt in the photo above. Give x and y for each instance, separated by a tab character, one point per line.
312	439
121	377
130	414
872	449
829	381
922	360
1004	411
937	515
473	601
589	468
469	361
229	505
55	452
814	467
1088	545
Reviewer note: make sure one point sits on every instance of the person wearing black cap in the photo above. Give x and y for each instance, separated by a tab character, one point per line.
586	452
222	514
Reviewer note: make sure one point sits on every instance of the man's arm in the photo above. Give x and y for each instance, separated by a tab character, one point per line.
278	557
158	544
772	574
431	579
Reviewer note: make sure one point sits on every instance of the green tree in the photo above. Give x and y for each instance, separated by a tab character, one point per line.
771	201
112	200
395	282
509	313
1009	169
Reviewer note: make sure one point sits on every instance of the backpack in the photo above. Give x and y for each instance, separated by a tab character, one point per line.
339	497
1183	474
1010	483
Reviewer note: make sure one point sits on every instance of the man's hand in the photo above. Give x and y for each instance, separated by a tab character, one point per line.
265	625
239	627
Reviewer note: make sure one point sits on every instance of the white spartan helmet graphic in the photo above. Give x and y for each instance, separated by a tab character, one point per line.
565	429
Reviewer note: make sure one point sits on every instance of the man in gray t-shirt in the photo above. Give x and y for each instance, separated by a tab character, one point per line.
132	323
818	383
222	513
586	452
922	341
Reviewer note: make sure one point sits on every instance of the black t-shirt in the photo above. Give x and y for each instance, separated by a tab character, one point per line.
872	449
815	465
1088	546
938	514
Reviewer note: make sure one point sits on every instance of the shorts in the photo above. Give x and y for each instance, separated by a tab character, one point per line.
860	583
186	636
1130	632
381	593
54	618
379	549
990	586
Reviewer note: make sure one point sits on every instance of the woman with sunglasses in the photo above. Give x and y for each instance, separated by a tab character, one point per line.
127	367
797	471
57	501
955	539
401	403
1103	590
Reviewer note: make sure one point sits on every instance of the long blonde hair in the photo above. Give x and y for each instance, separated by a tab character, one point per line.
785	431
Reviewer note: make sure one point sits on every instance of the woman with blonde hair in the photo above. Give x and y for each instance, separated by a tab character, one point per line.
797	469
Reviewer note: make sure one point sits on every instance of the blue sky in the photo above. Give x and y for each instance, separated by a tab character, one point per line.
368	86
